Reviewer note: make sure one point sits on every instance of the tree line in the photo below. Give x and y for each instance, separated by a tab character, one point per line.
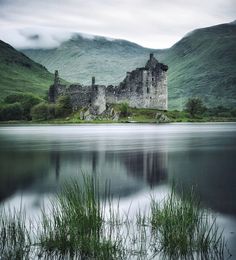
27	106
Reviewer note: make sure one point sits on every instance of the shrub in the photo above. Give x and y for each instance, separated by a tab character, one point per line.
63	106
11	112
40	112
27	101
194	107
43	111
51	111
124	109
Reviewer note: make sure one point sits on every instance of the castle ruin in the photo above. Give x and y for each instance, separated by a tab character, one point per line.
144	87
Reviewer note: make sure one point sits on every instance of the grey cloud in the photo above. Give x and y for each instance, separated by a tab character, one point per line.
151	23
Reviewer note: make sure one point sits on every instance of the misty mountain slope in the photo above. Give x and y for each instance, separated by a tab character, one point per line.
18	73
80	58
202	64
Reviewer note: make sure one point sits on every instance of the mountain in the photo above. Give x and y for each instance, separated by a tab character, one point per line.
202	64
18	73
79	58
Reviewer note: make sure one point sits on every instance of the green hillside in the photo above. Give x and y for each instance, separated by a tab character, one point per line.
202	64
18	73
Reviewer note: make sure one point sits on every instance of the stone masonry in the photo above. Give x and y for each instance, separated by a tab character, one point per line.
144	87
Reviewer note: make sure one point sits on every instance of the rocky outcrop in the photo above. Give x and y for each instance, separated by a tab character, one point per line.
162	118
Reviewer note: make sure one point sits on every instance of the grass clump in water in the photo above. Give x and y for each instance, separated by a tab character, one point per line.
15	242
76	226
184	230
82	225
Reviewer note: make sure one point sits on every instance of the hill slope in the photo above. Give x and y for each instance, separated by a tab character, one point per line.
79	58
18	73
202	64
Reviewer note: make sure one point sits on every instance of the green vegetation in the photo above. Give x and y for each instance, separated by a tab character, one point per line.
42	111
34	109
26	100
11	112
63	107
195	107
45	111
202	64
15	239
183	229
19	74
124	109
77	226
82	225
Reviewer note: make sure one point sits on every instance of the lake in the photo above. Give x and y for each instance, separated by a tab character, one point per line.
135	159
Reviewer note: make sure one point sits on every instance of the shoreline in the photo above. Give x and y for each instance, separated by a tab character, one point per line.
93	122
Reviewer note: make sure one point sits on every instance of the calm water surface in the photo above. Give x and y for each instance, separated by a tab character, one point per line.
35	160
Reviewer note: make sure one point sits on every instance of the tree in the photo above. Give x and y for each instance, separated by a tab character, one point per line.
63	106
11	112
27	101
194	107
40	112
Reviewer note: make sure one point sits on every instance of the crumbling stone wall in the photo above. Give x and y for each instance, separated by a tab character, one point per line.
142	88
98	99
80	96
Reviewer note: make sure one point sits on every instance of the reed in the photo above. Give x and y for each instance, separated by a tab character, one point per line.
82	225
183	229
76	225
15	242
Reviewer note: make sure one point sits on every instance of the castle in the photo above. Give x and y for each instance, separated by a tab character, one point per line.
144	87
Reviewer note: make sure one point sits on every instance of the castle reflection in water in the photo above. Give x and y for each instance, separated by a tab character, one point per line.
149	167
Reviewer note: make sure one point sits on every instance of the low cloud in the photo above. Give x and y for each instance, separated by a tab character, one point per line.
151	23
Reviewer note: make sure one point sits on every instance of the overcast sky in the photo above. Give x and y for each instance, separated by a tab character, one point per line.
150	23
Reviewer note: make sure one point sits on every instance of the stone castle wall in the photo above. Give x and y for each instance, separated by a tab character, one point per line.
142	88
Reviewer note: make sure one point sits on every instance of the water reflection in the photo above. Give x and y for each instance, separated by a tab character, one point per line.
38	159
20	170
150	167
55	162
131	171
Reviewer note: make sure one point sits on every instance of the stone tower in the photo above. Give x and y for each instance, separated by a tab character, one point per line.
56	78
56	89
144	87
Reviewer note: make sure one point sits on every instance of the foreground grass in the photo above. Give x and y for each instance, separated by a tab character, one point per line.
183	229
76	228
82	225
15	242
